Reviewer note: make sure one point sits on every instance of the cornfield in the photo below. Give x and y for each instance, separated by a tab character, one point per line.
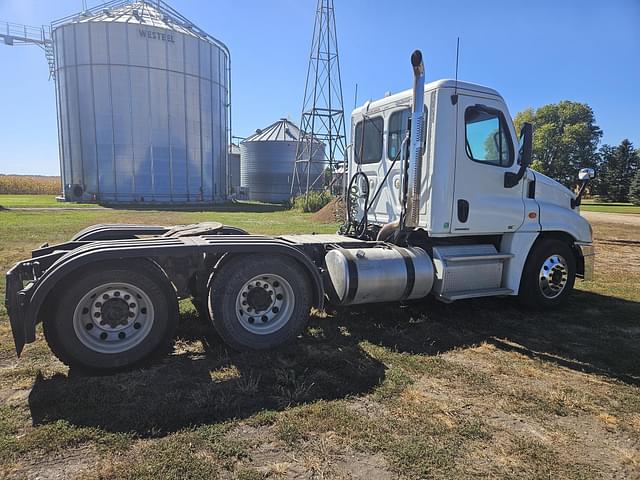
29	185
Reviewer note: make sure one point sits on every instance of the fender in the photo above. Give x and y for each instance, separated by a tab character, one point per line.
29	301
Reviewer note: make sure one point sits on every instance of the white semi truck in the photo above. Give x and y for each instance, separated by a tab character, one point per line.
440	201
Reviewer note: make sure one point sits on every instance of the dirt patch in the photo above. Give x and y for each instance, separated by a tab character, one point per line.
67	465
623	218
332	212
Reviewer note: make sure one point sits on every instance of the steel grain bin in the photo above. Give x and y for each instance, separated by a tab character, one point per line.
143	106
234	169
267	161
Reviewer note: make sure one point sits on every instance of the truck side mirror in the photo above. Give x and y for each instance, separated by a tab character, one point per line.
524	155
584	175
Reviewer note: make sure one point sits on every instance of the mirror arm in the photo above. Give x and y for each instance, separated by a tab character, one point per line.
512	179
575	202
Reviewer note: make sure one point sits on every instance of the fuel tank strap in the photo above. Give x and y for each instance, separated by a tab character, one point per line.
411	271
353	275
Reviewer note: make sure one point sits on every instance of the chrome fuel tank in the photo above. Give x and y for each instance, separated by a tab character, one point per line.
380	274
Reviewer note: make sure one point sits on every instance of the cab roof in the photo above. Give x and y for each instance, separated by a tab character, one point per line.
405	95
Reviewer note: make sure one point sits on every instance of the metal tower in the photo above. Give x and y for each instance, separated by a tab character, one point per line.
322	110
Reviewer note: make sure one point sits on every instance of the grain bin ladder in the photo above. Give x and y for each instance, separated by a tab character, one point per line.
16	34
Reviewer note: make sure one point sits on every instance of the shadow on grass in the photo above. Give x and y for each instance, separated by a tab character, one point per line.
594	333
238	206
195	387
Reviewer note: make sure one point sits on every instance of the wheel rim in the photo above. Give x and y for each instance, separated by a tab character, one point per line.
264	304
553	276
113	317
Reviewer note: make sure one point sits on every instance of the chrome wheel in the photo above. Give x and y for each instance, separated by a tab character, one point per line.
265	304
553	276
113	318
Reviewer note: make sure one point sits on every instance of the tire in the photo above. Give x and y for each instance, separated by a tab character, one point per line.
258	302
113	316
549	274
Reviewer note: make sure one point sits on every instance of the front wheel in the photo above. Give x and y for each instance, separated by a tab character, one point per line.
258	302
112	316
548	275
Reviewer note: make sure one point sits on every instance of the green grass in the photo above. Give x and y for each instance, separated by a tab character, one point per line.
591	206
37	201
478	388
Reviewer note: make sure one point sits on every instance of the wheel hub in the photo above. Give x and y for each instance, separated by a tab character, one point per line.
264	304
115	311
260	299
553	276
113	317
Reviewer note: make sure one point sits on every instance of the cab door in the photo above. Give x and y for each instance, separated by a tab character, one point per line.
485	150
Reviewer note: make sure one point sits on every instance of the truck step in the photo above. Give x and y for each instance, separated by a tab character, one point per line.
474	257
487	292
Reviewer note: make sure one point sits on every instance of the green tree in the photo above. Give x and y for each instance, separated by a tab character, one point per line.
617	167
634	191
565	139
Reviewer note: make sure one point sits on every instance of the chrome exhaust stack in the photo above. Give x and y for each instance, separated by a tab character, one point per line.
413	175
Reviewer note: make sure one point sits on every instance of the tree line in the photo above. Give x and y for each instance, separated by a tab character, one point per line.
566	138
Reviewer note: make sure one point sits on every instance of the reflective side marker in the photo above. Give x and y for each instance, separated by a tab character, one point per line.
533	215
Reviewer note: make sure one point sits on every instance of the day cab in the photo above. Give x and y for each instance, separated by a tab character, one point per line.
475	190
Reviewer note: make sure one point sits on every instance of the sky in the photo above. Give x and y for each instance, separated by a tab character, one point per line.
532	52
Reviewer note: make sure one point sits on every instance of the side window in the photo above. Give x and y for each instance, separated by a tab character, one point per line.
398	123
487	136
398	126
371	146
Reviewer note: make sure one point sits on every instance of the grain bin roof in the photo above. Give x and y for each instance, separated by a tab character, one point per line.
146	13
281	131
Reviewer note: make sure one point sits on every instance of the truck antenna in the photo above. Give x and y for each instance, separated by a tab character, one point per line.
454	97
355	98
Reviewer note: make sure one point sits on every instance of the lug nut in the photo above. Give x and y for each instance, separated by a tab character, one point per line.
105	296
131	314
121	335
127	297
137	326
98	304
89	326
276	284
116	294
96	314
143	310
132	305
251	320
279	296
103	336
275	309
85	310
265	319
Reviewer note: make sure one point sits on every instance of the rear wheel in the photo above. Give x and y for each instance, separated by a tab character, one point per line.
259	302
549	274
112	317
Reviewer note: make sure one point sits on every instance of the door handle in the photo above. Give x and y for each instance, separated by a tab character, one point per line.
463	210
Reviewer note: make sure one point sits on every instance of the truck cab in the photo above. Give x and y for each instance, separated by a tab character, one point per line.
470	147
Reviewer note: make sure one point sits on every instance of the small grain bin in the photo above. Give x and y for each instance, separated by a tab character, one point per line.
267	161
